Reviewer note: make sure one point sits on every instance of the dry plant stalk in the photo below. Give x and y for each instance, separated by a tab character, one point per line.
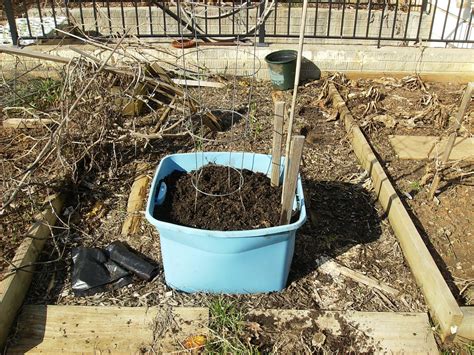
92	125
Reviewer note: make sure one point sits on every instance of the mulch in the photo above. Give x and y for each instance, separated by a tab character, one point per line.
345	220
424	108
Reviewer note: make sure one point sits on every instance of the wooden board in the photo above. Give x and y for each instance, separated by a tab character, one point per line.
135	105
466	330
291	179
199	83
384	332
442	304
136	201
428	147
15	286
332	267
130	330
26	122
442	77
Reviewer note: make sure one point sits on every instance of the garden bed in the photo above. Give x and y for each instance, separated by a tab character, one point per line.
346	222
424	109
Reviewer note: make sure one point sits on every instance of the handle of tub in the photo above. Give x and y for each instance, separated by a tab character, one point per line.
161	195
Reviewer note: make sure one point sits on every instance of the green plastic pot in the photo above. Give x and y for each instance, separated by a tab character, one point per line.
282	65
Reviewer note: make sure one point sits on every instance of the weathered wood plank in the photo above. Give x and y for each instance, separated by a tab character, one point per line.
135	105
26	122
81	329
429	147
442	77
442	304
466	330
331	267
291	179
199	83
136	201
14	287
383	332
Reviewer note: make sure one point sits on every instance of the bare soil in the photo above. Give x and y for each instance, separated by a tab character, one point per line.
226	199
345	220
417	108
271	336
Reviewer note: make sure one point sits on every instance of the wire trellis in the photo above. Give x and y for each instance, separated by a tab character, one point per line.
193	11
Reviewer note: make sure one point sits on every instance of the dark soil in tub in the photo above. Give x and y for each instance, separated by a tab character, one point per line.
221	204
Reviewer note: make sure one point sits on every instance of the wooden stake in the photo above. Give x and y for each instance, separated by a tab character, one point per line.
277	138
452	138
291	177
297	80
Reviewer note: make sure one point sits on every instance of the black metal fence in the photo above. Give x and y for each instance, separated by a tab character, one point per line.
399	21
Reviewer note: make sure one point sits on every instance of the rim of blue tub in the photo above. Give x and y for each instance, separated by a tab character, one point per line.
249	233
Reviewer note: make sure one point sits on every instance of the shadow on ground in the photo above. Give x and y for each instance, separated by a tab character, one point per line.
340	215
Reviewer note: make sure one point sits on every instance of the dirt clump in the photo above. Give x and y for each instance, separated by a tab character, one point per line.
304	334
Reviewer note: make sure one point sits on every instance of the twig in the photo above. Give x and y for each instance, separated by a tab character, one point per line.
329	265
452	138
47	148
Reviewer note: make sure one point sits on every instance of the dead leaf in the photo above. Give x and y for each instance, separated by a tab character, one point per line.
333	116
387	120
96	211
318	339
195	341
255	329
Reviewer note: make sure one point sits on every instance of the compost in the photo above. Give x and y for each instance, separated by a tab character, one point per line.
220	198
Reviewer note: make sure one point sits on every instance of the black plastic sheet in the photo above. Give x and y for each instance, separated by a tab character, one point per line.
131	261
92	272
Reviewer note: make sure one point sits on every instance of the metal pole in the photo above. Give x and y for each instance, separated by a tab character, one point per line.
261	28
11	21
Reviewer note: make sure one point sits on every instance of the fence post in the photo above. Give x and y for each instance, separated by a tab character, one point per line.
11	20
424	6
261	28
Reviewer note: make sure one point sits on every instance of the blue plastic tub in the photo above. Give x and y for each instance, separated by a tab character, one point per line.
197	260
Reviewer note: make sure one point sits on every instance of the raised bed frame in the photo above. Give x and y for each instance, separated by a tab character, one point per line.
452	319
13	288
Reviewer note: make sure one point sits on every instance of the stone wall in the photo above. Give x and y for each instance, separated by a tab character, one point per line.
244	60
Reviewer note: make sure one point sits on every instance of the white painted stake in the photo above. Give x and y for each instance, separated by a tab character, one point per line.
277	139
